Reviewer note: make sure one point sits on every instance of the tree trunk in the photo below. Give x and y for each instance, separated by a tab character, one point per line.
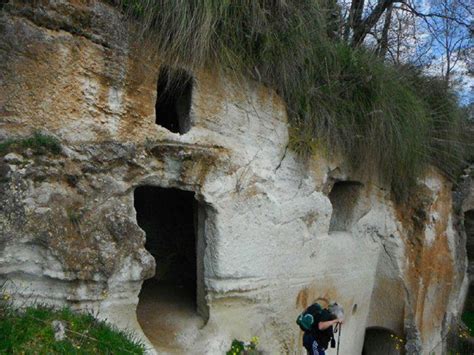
383	47
363	28
355	17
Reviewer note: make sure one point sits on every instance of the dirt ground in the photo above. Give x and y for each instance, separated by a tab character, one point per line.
168	317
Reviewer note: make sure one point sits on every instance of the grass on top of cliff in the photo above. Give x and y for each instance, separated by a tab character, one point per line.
389	121
32	331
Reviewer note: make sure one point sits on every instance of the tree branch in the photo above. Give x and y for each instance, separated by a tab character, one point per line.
412	10
366	25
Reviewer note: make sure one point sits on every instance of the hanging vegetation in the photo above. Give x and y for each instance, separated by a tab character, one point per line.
387	120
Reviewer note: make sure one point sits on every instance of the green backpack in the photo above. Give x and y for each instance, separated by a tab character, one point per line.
306	319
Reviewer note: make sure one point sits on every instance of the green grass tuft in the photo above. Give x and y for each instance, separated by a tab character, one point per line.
388	121
39	143
31	331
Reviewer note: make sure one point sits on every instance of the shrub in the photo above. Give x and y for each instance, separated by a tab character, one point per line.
39	143
239	347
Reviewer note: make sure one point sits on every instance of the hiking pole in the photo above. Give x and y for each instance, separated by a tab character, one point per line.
339	338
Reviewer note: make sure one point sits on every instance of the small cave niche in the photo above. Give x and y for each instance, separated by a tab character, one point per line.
459	344
469	227
173	100
468	309
379	341
173	298
469	302
344	198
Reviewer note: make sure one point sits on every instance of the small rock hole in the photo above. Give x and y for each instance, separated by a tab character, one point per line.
354	308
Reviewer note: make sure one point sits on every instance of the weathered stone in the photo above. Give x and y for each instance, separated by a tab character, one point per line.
13	158
266	246
4	170
59	329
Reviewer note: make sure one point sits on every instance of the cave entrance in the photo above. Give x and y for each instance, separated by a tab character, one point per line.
173	100
172	301
380	340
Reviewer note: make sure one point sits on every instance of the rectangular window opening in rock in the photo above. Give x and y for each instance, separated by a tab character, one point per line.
344	198
173	100
174	298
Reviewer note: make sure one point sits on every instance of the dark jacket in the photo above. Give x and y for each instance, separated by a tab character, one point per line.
323	337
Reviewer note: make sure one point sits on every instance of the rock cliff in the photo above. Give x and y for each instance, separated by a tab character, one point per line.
253	233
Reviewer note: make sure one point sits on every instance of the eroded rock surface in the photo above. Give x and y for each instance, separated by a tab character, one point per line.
271	236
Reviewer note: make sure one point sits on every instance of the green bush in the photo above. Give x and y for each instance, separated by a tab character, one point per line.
39	143
239	347
389	121
31	331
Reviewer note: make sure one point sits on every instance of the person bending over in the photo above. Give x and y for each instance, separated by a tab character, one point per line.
317	339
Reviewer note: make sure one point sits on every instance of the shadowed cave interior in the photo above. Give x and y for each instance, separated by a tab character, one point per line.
173	100
468	309
167	301
469	226
380	341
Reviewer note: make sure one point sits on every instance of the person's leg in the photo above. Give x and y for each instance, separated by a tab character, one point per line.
315	348
309	344
320	351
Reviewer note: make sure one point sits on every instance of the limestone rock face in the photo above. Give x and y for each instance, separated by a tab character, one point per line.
273	232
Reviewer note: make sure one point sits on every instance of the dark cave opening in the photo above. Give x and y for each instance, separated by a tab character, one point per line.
468	309
168	217
469	226
173	298
469	302
173	100
380	340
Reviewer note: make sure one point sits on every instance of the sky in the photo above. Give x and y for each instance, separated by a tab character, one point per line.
422	41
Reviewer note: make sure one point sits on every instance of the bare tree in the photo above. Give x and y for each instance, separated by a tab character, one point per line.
383	46
452	38
361	26
408	31
405	40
